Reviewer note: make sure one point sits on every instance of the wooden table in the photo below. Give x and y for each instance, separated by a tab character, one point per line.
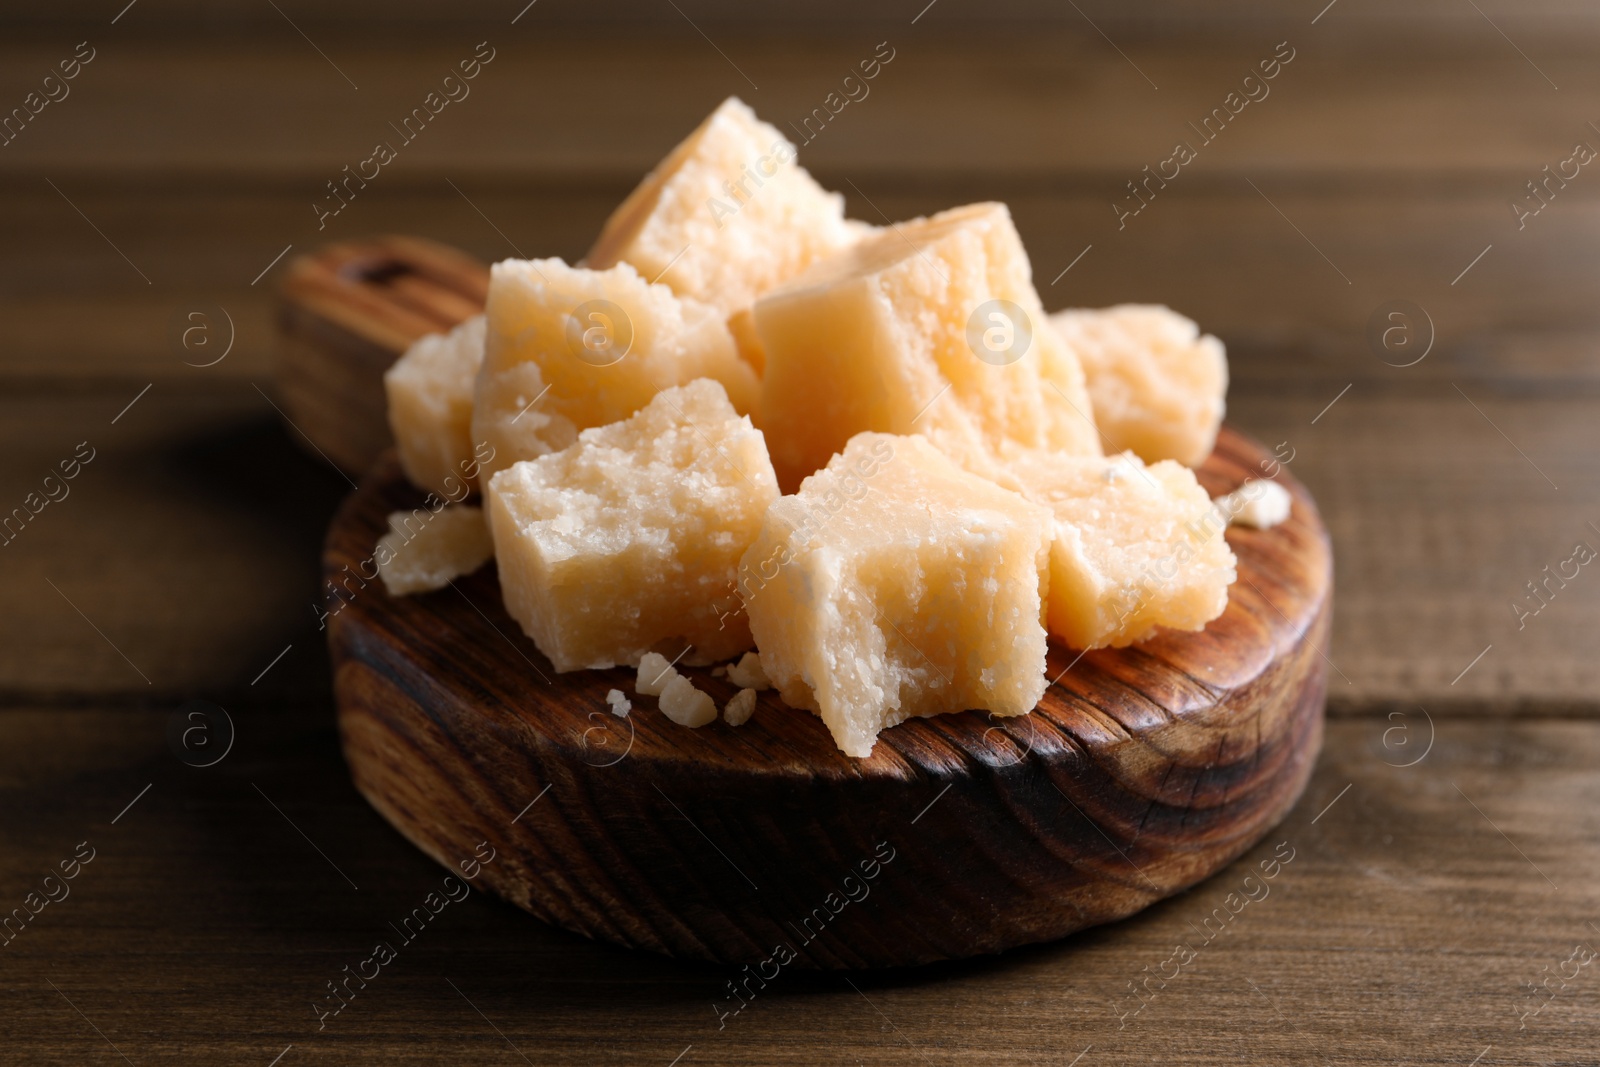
1444	861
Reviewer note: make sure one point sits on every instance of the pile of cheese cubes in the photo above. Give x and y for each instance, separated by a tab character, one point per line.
746	421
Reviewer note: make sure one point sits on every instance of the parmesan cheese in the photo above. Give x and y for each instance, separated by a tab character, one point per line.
628	539
932	327
1158	385
727	215
425	550
429	391
1135	548
569	349
896	584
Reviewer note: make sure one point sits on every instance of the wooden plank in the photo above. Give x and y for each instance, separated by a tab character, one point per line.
1042	104
1522	318
1409	922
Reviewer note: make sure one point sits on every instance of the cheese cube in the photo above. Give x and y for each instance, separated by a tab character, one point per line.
929	327
1135	548
426	550
627	539
569	349
1157	384
896	584
727	215
430	407
620	705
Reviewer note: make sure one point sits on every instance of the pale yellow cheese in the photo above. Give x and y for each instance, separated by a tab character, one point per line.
569	348
747	673
425	550
686	705
896	584
429	391
1158	385
727	215
740	707
630	538
932	327
1135	548
1259	504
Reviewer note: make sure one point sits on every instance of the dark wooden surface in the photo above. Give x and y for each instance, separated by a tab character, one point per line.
1420	908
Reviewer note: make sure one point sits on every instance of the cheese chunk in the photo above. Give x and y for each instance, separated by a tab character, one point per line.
747	673
1135	548
629	538
932	327
425	550
430	407
655	671
727	215
896	584
568	349
1157	384
620	705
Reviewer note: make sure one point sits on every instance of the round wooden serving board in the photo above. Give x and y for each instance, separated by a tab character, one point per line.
1143	771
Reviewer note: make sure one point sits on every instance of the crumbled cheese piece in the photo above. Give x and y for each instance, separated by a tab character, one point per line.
429	390
1158	385
719	671
632	537
425	550
655	671
1132	552
932	327
747	673
1260	503
896	584
727	215
738	710
685	705
569	348
620	705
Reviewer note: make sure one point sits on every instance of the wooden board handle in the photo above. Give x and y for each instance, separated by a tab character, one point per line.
348	311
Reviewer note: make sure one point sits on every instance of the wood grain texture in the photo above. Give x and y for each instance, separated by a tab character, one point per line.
366	301
719	844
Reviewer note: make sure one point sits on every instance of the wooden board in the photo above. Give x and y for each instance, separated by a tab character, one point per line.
722	843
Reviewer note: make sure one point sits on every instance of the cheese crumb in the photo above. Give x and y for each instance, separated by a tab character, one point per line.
1259	503
425	550
685	705
655	671
620	705
740	708
747	673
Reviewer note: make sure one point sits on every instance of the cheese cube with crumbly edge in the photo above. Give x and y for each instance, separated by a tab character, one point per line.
1158	385
620	705
1135	548
429	391
727	215
568	349
896	584
629	539
932	327
425	550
